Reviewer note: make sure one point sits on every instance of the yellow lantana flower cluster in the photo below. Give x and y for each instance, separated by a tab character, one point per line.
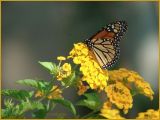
92	72
119	95
150	114
110	113
65	70
132	77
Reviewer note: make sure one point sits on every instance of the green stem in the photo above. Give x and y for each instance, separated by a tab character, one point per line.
59	64
42	98
48	105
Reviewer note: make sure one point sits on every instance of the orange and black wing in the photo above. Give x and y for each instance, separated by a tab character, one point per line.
105	43
113	31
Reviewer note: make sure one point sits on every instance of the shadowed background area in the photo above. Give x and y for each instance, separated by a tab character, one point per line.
41	31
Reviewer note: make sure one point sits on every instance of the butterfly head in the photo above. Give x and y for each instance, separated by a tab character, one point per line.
118	27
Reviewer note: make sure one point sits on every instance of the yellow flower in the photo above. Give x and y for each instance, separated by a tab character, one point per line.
132	77
39	94
64	71
92	72
82	88
61	58
59	76
110	113
66	67
55	93
145	88
150	114
119	95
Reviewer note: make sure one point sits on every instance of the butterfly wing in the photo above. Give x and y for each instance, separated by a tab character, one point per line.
105	43
113	31
106	52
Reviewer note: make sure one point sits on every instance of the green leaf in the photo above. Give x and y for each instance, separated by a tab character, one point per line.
17	94
66	103
91	101
31	94
49	66
29	82
8	103
39	114
10	113
135	90
39	84
11	110
26	106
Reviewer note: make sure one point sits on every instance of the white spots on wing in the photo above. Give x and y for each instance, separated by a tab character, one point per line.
115	30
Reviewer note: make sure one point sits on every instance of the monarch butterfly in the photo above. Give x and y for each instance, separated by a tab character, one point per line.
105	43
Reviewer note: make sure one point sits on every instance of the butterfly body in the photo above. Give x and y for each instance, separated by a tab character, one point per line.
105	43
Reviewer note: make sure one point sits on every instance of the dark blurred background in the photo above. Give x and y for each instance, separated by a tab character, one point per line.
41	31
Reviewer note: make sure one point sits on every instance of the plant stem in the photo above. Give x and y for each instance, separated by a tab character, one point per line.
41	98
48	104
